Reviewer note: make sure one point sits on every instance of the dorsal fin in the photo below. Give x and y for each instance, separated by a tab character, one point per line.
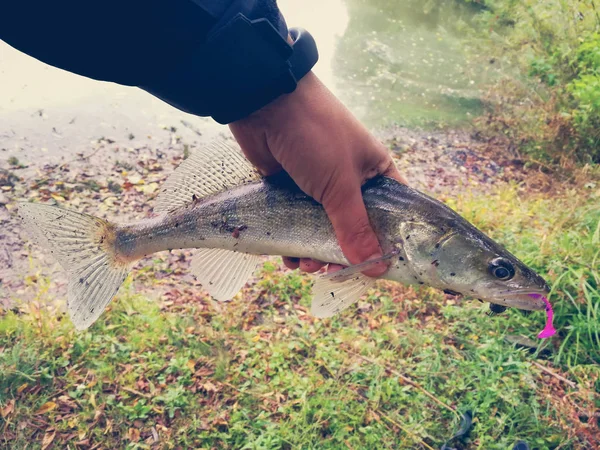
213	169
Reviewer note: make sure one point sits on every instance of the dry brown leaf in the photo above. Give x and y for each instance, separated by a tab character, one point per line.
66	402
209	387
9	408
48	406
133	434
22	388
48	438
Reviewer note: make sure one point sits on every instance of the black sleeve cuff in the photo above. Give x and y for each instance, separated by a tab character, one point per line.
244	65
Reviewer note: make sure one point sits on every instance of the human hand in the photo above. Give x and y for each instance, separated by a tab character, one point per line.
329	154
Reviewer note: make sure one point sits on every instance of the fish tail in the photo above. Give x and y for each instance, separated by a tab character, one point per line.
85	247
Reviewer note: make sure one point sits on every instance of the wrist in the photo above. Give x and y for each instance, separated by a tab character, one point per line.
297	56
310	99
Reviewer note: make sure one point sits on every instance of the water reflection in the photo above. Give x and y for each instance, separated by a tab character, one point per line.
394	62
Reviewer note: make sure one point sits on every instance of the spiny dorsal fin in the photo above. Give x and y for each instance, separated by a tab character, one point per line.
331	297
223	273
213	169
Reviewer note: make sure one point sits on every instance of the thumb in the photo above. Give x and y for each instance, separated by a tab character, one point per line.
353	231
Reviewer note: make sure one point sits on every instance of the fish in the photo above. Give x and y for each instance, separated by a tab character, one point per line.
217	202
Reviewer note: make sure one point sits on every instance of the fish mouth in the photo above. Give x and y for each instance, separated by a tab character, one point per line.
523	300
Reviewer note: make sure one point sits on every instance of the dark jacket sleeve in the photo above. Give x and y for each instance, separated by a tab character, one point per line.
154	44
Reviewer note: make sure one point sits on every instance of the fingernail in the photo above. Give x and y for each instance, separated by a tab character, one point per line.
378	268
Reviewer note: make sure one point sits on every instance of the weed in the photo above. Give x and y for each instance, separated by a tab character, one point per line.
550	108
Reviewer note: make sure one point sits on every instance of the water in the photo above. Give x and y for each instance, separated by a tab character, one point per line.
400	62
390	62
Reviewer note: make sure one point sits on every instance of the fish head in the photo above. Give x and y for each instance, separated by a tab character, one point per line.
456	257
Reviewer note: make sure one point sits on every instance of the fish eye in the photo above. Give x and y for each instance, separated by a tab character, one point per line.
502	269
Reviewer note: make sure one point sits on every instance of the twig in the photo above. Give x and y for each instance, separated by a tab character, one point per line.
81	158
187	124
580	391
135	392
555	375
411	382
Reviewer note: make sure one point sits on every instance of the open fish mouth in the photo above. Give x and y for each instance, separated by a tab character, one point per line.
522	300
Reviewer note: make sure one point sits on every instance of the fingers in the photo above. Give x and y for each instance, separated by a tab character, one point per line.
304	264
333	268
353	230
310	265
291	263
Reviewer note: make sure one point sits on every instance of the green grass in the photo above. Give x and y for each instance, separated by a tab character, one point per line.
547	100
261	373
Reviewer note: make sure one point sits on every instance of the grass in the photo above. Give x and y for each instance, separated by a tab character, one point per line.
396	371
547	100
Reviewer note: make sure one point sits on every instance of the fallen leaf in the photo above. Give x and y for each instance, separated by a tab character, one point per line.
22	388
135	179
133	434
66	402
148	188
48	406
209	387
9	408
48	438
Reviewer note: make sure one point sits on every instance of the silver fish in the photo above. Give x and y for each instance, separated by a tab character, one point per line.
216	202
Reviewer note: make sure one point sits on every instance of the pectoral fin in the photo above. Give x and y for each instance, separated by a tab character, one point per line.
330	297
348	272
334	292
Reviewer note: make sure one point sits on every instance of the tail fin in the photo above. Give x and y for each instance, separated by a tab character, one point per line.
84	245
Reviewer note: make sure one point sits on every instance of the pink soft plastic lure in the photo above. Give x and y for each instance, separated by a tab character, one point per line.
549	329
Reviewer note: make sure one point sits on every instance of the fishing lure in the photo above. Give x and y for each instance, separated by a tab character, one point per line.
549	329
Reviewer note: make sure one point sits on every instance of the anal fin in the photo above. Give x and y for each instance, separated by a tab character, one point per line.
223	273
